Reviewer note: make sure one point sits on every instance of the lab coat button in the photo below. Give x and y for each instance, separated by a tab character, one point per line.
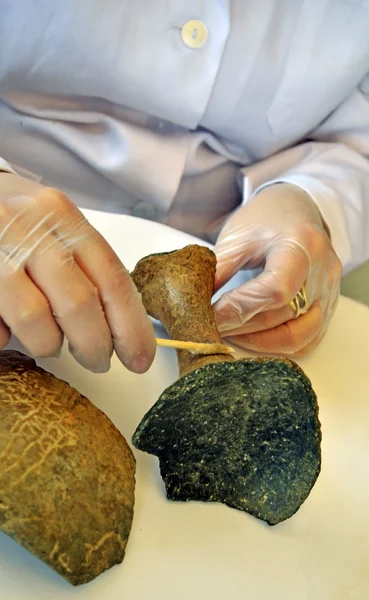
144	210
194	34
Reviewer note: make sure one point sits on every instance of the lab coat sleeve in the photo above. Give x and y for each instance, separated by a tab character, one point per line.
333	168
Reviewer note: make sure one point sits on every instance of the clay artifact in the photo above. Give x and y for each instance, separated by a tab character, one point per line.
242	432
67	475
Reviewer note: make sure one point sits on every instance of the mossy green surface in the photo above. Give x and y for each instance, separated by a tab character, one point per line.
244	433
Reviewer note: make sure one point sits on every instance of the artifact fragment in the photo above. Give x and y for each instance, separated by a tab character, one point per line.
67	475
245	433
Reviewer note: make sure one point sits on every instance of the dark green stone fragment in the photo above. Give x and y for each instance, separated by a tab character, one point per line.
244	433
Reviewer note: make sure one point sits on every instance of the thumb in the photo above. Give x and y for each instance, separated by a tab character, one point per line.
239	305
233	253
286	269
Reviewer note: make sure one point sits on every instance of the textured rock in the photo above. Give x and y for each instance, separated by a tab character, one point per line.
176	289
66	473
245	434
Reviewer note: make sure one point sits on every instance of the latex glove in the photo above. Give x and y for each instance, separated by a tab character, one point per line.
280	229
58	277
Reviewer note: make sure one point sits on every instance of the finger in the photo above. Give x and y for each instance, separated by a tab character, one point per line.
52	285
235	252
131	328
310	347
58	230
286	339
75	304
263	321
26	312
73	299
5	334
286	269
299	354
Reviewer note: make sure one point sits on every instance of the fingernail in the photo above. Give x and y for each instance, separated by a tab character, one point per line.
225	303
140	364
227	318
230	320
102	367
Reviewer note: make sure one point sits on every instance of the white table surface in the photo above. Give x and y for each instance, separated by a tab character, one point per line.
201	551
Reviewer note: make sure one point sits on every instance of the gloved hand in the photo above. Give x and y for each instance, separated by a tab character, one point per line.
281	230
58	277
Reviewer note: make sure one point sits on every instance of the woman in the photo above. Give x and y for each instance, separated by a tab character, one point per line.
242	122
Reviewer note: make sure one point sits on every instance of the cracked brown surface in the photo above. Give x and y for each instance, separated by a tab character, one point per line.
67	475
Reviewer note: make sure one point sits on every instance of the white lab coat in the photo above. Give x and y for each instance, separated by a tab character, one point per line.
107	100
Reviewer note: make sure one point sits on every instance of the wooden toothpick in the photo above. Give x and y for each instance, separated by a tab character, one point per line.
195	348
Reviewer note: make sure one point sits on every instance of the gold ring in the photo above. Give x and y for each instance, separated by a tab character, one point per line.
300	302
